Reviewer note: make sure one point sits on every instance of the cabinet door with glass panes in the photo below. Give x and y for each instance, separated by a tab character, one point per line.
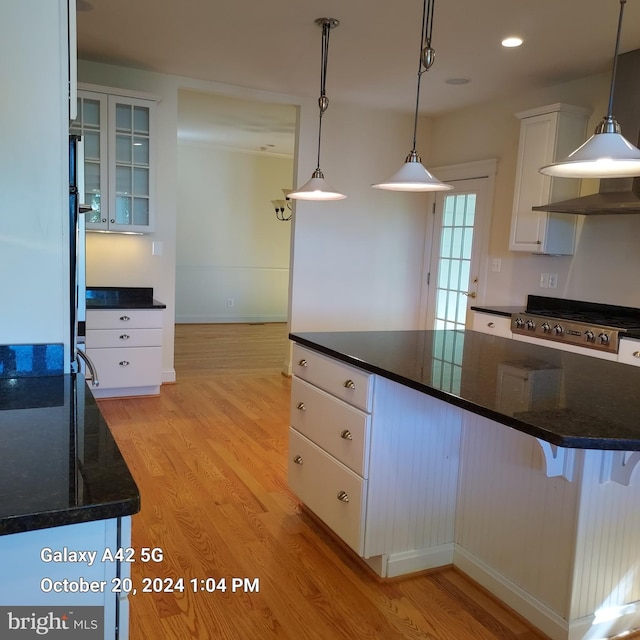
119	182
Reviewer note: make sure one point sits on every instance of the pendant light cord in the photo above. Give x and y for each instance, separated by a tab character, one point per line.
425	44
323	101
615	60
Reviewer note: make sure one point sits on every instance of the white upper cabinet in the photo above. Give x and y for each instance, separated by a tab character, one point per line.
118	134
547	134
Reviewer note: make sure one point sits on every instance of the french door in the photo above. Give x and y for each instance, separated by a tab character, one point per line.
456	256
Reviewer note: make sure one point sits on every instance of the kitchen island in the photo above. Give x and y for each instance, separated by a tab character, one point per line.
514	462
66	500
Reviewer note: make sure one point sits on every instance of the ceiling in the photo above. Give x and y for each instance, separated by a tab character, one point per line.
373	57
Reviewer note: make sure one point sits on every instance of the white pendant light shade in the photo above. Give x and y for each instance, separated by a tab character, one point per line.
606	154
412	176
316	189
603	155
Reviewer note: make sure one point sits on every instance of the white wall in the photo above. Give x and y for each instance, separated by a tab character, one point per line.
34	178
605	261
229	243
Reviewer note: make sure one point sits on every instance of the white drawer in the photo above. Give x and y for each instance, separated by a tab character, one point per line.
490	323
128	367
106	338
629	351
341	380
318	480
124	318
335	426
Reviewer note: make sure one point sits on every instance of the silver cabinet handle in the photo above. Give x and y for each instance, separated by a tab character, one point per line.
124	363
124	336
303	363
636	354
346	435
301	406
350	384
298	460
125	318
342	496
491	325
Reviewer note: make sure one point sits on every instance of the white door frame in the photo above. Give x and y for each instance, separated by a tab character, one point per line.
485	169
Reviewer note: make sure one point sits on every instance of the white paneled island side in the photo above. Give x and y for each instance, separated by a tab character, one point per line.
535	496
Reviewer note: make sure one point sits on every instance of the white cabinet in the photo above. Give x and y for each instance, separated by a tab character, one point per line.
492	324
547	134
118	134
377	462
125	346
629	351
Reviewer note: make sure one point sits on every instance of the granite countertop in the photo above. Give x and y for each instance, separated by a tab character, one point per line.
574	400
122	298
498	311
59	463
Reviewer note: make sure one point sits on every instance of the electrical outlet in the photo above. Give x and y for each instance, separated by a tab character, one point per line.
230	302
496	265
544	280
553	280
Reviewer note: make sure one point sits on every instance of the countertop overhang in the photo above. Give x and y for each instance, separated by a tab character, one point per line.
582	402
59	463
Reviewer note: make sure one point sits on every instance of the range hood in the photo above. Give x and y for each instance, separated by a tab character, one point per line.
616	195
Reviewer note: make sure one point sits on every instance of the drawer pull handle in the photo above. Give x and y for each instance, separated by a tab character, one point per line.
124	336
124	363
342	496
298	460
125	318
350	384
303	363
301	406
636	354
346	435
491	325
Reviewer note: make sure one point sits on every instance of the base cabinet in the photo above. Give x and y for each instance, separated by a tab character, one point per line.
377	462
492	324
126	347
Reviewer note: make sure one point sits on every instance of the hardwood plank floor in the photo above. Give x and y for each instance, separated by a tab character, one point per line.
209	456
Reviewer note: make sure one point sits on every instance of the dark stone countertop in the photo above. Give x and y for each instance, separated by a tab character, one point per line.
498	311
122	298
576	401
59	463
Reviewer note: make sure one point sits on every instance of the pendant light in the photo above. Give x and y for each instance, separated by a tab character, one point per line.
413	176
317	188
606	154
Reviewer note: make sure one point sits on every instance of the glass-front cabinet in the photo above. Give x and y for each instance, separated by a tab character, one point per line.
118	161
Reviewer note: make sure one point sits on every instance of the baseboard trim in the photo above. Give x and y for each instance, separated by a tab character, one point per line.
401	564
228	319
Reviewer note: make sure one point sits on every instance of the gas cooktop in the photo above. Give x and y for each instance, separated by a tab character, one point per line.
587	324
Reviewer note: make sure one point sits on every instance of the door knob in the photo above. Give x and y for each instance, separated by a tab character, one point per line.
470	294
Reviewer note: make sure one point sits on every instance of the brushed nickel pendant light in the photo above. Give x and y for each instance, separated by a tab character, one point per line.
606	154
317	188
413	176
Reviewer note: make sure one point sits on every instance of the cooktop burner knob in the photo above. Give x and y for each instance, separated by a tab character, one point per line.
546	327
531	325
590	336
519	323
558	330
604	338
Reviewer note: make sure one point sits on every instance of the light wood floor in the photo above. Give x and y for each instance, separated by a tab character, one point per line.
209	456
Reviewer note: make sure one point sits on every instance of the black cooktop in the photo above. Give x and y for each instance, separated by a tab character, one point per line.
606	315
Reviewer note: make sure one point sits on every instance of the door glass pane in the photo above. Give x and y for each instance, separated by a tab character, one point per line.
123	149
123	180
141	119
141	151
90	113
454	262
92	145
123	210
123	117
140	181
140	211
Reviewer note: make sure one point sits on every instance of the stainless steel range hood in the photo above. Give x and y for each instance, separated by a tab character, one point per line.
616	195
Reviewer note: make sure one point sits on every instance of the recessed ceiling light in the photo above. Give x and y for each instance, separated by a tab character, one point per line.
457	81
512	41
